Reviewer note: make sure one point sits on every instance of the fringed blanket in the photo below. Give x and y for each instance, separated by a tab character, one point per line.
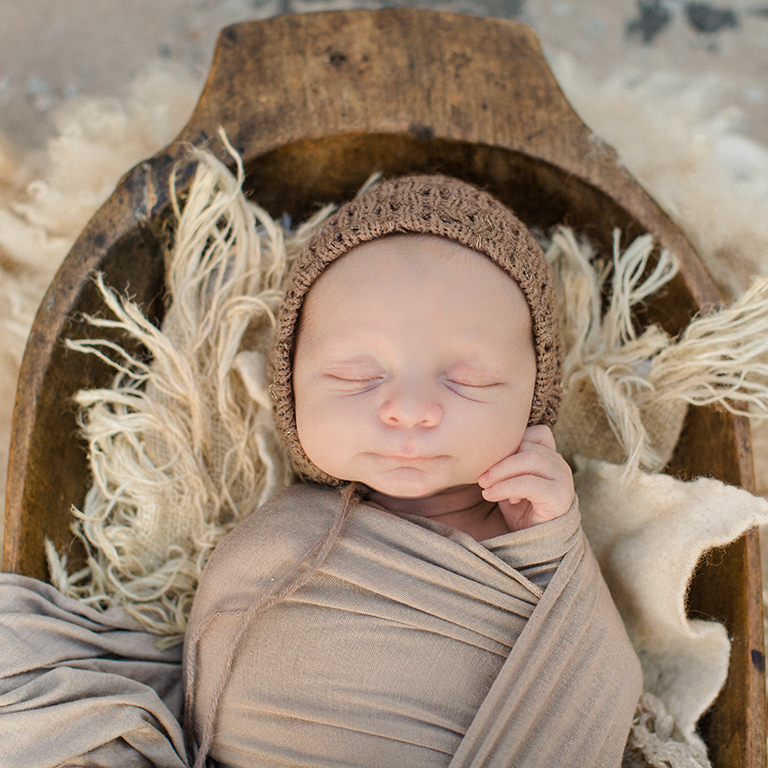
413	645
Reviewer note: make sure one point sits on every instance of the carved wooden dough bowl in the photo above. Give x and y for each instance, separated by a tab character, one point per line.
314	104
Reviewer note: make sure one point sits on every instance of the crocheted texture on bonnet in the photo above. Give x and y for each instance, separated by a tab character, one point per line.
427	205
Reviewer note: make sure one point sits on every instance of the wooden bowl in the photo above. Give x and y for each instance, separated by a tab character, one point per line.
314	104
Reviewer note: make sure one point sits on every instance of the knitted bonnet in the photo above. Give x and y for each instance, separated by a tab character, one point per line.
427	205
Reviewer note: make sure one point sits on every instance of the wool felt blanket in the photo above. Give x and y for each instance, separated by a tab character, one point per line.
413	644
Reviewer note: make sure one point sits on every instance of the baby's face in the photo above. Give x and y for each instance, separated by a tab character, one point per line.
414	366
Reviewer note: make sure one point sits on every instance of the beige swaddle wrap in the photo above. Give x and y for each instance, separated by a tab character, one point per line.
413	645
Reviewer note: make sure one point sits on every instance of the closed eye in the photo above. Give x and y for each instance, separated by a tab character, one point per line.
474	384
353	382
472	391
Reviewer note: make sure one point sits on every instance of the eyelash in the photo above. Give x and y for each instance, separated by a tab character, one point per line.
354	385
474	386
355	379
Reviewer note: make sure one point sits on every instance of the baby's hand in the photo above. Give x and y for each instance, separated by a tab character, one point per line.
533	485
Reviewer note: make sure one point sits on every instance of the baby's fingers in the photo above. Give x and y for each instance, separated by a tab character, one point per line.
533	485
530	459
540	435
549	499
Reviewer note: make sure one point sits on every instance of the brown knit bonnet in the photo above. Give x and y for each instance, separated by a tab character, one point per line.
427	205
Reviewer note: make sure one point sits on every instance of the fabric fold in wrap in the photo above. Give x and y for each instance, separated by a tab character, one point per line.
414	644
79	687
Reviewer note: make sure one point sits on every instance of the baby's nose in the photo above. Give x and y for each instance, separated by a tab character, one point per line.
411	406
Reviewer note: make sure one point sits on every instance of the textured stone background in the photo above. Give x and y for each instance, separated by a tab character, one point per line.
55	50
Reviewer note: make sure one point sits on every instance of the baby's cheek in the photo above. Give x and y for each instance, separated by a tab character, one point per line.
326	429
496	437
314	438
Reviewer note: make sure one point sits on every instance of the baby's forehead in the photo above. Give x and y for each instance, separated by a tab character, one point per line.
418	258
425	277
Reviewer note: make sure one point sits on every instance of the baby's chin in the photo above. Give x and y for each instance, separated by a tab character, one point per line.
411	483
399	480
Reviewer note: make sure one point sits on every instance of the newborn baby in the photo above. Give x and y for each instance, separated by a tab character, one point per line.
427	598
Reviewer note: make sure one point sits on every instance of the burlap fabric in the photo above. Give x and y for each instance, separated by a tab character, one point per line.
433	205
586	430
413	645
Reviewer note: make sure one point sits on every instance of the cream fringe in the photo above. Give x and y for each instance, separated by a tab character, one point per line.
654	737
642	382
183	449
